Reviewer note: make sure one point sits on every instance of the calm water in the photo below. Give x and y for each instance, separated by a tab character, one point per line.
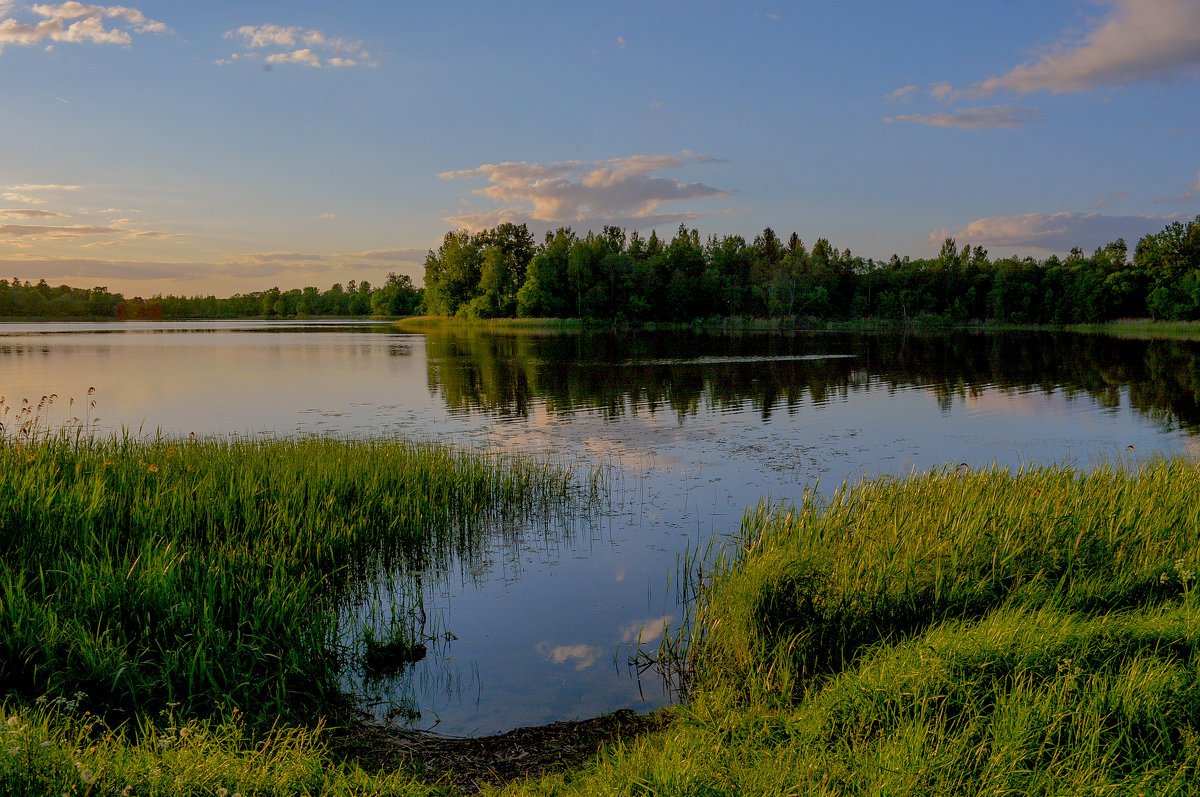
694	428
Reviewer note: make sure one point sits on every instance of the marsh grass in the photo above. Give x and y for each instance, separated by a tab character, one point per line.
954	633
211	572
1143	329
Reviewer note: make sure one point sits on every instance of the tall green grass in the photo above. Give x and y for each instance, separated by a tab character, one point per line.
963	634
204	572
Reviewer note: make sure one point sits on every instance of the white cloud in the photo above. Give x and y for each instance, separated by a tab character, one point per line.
1193	193
1004	116
297	46
303	56
22	213
902	94
1137	40
266	35
1055	232
621	45
75	22
621	191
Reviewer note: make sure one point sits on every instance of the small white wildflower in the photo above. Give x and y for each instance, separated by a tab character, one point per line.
45	744
222	792
128	790
86	776
1162	579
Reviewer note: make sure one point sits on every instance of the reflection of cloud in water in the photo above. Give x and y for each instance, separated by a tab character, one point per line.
583	656
782	358
645	631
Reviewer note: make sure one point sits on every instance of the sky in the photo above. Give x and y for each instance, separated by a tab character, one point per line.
225	147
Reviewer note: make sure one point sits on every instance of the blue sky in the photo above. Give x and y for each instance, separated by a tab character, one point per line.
222	147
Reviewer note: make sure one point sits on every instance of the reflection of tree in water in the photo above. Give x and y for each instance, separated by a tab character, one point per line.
505	374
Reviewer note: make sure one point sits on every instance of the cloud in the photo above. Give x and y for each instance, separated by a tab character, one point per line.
620	191
41	232
646	631
297	46
1056	232
68	269
38	187
1137	40
1104	200
583	656
621	45
901	94
1193	193
22	193
75	23
22	213
304	56
944	92
391	255
275	257
1004	116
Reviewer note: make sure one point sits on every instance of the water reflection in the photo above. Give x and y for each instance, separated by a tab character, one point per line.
507	376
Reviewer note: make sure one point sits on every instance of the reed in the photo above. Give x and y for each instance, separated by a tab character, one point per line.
205	572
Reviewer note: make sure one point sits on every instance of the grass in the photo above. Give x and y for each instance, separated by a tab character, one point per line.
1143	329
204	573
981	633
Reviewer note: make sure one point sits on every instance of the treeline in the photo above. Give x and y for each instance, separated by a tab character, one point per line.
396	297
624	277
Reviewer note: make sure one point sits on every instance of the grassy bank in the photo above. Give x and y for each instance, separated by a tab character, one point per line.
1138	328
949	633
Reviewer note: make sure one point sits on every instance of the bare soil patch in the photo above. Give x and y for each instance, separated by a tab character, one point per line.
468	764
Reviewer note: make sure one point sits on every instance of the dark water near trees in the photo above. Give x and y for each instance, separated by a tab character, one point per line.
692	429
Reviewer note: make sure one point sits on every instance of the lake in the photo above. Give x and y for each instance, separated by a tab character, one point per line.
689	431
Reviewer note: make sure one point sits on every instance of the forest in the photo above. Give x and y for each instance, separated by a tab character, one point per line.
396	297
622	277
